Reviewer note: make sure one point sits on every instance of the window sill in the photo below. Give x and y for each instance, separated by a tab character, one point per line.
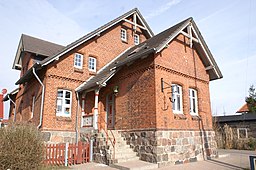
124	41
79	70
179	116
196	117
62	118
92	73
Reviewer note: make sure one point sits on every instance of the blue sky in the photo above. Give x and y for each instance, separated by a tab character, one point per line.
228	27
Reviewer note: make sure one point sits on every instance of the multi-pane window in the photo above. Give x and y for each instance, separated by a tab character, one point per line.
123	35
92	64
193	102
136	39
177	99
64	103
78	61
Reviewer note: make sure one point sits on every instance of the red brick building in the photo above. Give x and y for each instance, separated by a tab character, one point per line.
152	89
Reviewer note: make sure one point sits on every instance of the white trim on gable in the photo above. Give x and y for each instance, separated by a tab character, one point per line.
198	39
98	33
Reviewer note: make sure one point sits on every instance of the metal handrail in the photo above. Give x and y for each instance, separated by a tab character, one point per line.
106	132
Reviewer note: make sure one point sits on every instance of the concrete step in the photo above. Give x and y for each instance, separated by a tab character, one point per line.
121	160
125	155
134	165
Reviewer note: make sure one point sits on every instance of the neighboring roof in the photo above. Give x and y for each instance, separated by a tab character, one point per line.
36	46
98	32
14	92
152	45
84	39
243	109
235	118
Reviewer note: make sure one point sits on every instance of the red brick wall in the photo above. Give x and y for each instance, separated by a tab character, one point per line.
179	64
24	101
62	74
135	101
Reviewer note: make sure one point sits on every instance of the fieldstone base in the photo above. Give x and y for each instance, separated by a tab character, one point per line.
172	147
59	137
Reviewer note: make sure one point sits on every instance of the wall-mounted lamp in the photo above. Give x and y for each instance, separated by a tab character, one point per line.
115	90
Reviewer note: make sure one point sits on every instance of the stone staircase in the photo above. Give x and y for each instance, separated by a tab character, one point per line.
123	152
122	157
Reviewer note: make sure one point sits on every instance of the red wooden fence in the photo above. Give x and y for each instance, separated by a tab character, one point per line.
76	153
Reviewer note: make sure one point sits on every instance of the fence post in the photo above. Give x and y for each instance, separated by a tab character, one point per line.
91	149
66	154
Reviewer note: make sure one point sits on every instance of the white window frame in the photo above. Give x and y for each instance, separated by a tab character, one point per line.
136	39
123	34
238	133
61	102
78	64
193	102
90	64
177	99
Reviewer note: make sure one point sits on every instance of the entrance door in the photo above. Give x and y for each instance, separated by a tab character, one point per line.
110	111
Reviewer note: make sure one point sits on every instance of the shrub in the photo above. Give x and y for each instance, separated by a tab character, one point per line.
21	147
252	143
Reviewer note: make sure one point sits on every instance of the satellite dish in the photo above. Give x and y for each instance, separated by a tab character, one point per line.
4	91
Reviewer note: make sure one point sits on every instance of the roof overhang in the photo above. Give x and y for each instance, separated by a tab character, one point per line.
17	60
197	40
14	92
29	74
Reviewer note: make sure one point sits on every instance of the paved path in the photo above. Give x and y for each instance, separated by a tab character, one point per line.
229	160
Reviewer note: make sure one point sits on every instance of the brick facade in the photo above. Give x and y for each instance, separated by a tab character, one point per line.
140	109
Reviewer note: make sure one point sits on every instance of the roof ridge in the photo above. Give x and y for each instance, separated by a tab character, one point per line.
96	32
47	41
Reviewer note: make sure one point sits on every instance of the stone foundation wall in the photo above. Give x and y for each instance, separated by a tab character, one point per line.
59	136
172	147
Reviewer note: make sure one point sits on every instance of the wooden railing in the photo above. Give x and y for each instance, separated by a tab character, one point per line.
67	154
107	135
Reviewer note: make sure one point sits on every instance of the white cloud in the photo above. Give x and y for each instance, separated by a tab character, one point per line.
162	9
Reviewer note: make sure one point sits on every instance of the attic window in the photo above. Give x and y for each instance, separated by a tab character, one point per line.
78	61
92	64
123	35
136	39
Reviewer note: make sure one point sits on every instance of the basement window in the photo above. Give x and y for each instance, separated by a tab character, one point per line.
242	133
64	103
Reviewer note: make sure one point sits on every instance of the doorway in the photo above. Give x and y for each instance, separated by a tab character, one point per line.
110	111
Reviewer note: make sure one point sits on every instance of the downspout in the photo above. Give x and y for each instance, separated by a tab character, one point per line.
14	119
77	109
42	101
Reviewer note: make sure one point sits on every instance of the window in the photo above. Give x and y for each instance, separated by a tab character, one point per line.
136	39
123	35
242	133
78	61
64	103
193	102
92	64
177	98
